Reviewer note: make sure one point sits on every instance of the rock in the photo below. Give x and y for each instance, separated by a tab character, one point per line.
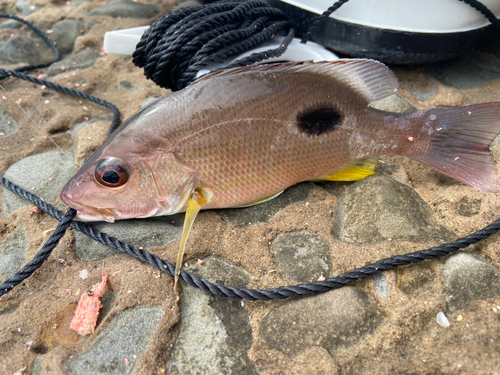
186	3
423	96
378	208
153	232
81	125
127	337
129	86
125	9
46	173
467	277
380	282
394	103
332	320
83	60
469	206
464	72
264	212
302	257
415	278
8	126
12	253
396	171
64	33
11	24
37	366
24	8
215	332
21	49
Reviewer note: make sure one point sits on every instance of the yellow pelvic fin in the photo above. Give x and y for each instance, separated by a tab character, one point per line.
261	200
199	198
357	170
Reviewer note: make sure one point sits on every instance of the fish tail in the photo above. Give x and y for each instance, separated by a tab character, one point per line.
459	141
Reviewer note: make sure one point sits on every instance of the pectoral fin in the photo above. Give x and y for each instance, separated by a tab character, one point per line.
199	199
357	170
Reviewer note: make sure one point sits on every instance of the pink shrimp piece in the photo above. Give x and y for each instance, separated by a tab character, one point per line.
88	308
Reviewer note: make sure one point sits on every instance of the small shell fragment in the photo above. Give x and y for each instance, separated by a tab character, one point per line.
84	274
442	320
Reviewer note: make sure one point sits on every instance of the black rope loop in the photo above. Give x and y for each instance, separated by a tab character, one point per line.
180	43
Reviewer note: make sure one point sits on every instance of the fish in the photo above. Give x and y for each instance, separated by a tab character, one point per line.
241	136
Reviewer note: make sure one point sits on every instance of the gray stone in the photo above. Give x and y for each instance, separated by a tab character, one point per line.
125	9
8	126
37	366
378	208
46	173
12	253
332	320
302	257
11	24
264	212
469	206
153	232
127	85
64	33
423	96
25	8
380	282
464	72
80	125
148	101
81	60
467	277
394	103
21	49
415	278
215	332
127	337
186	3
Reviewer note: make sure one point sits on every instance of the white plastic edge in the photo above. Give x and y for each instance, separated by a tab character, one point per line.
123	42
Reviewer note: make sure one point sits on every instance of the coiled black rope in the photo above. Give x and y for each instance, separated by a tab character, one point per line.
180	43
148	49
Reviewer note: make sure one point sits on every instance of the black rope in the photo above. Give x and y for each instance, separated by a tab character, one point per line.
180	43
484	11
188	53
319	20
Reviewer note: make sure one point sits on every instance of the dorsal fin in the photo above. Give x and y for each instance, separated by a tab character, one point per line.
369	78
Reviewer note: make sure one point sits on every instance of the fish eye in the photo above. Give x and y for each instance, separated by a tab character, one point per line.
111	173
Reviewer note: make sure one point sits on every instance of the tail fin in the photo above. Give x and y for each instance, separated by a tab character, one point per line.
460	143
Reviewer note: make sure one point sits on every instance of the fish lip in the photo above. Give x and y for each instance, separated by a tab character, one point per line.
89	213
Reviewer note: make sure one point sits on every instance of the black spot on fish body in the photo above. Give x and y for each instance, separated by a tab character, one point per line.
319	120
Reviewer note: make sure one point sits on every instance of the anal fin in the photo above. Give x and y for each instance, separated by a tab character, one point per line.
199	198
354	171
261	200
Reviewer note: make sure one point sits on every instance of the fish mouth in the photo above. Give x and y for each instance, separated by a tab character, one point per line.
89	213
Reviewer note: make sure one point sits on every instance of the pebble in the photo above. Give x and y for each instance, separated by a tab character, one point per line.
8	126
395	104
11	24
469	206
186	3
129	86
125	9
24	8
64	33
415	278
47	173
380	282
264	212
12	253
378	208
215	332
21	49
81	60
147	233
302	257
423	96
333	321
81	125
467	277
127	337
442	320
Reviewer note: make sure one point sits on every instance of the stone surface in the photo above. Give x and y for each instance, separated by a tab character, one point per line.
64	33
153	232
125	9
129	86
83	124
8	126
24	8
423	96
380	282
415	278
467	277
11	24
378	208
264	212
394	103
332	320
302	257
127	337
37	366
215	333
469	206
81	60
186	3
464	72
21	49
44	175
12	253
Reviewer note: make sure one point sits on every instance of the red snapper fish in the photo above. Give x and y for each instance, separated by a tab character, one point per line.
241	136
